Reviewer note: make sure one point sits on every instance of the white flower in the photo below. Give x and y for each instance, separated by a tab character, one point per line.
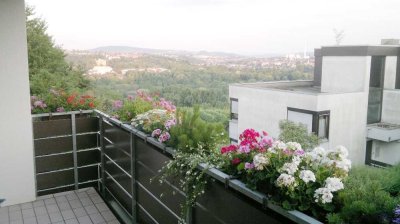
324	195
344	164
342	151
286	180
260	161
289	168
333	184
296	160
307	176
293	146
279	145
318	154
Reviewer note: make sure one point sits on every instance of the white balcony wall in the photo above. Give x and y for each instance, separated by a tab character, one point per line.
391	106
390	72
345	74
17	182
386	152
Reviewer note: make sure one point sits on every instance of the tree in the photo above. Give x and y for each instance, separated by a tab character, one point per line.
292	132
47	66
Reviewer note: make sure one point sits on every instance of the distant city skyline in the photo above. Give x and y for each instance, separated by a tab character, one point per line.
252	27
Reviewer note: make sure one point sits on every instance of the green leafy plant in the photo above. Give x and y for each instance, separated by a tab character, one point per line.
125	110
368	196
191	131
292	132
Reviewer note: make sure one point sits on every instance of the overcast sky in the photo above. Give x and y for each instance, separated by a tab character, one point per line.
238	26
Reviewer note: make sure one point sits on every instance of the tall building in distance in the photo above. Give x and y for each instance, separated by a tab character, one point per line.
354	100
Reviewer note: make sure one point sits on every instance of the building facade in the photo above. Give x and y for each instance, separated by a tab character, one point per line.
354	100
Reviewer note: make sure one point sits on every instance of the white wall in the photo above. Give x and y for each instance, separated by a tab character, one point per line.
390	72
391	107
345	74
17	182
386	152
348	118
262	109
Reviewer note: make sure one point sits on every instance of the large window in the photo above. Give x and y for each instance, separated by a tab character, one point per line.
316	122
233	123
397	86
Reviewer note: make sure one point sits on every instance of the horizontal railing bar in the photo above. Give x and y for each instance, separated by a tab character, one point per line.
147	213
128	174
119	185
62	113
67	152
158	201
116	200
68	185
66	169
69	135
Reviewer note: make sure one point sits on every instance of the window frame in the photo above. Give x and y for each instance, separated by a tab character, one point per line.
233	116
315	119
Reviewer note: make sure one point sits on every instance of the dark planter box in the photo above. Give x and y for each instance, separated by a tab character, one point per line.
136	158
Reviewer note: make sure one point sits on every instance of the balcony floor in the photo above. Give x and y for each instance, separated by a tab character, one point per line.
83	206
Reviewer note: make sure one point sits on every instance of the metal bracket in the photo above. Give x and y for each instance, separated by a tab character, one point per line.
265	202
226	181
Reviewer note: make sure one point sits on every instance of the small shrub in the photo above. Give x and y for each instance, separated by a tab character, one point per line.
292	132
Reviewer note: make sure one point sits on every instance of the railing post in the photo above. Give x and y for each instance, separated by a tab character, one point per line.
74	151
134	178
102	160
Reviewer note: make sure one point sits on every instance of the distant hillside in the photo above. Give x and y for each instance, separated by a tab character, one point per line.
128	49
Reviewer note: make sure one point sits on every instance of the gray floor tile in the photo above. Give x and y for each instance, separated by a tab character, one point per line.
71	221
61	222
4	209
19	221
96	199
28	213
67	214
113	222
61	198
52	208
75	203
84	220
38	203
31	220
91	191
43	219
50	201
102	207
4	221
86	201
79	212
97	218
14	208
64	206
40	211
91	209
108	216
72	196
82	194
4	215
26	205
15	215
43	197
55	217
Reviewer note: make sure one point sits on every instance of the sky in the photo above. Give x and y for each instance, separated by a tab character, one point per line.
250	27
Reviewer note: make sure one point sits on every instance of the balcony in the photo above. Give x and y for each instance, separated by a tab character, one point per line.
88	160
383	132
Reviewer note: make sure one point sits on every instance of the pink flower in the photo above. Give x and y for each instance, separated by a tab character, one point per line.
227	149
130	97
39	104
244	149
266	141
168	124
156	133
60	109
249	166
117	104
164	137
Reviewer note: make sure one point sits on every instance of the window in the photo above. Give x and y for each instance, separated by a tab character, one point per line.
316	122
397	86
234	109
233	123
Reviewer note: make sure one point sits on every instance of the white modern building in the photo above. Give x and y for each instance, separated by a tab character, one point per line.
354	100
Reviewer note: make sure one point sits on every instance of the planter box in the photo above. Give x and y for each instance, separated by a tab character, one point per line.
131	156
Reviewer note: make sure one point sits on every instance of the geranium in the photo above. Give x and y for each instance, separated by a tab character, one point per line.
396	219
286	180
323	195
117	104
333	184
260	161
157	122
307	176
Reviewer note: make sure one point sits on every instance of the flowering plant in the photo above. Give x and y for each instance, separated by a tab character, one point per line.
127	109
292	177
156	122
60	101
396	219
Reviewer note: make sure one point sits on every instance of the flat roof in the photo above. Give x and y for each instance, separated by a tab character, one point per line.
300	86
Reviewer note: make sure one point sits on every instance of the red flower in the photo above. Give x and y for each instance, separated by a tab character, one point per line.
227	149
82	101
91	105
235	161
71	99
